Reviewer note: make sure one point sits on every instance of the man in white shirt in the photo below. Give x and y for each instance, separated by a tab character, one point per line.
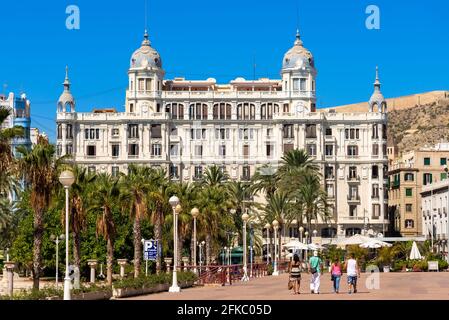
353	271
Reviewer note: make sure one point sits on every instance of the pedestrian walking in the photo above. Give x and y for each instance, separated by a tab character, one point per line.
353	271
315	268
336	274
295	274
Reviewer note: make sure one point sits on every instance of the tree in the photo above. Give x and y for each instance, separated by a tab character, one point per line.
135	190
6	135
104	200
213	176
265	180
40	169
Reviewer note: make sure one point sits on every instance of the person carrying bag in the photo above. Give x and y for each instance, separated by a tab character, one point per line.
295	275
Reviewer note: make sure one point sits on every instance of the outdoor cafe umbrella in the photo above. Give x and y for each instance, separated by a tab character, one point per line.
415	254
295	244
355	239
374	244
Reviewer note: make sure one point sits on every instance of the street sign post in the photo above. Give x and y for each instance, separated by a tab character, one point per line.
150	252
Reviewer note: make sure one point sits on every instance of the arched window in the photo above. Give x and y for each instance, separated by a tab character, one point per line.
267	110
176	110
222	111
68	107
59	131
198	111
246	111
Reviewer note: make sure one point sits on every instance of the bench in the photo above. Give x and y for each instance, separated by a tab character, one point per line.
432	266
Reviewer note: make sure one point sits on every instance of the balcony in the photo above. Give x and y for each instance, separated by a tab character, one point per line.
245	178
353	198
330	177
353	178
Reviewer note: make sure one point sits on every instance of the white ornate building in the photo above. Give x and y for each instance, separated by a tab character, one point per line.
187	125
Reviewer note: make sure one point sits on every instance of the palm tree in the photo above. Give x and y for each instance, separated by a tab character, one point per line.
213	176
104	199
158	207
239	197
40	169
265	180
135	189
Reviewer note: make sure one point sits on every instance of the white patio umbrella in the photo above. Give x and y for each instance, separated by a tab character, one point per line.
374	244
355	239
314	246
414	253
295	244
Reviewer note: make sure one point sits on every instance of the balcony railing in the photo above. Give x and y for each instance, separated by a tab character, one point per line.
354	178
353	198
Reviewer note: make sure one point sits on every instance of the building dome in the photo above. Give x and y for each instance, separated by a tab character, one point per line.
66	102
298	57
146	56
377	100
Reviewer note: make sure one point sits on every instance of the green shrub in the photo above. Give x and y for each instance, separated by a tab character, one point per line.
270	270
442	264
153	280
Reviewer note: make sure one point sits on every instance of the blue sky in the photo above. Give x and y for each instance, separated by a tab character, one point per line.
201	39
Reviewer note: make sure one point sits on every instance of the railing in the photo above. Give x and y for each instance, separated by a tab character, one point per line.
354	178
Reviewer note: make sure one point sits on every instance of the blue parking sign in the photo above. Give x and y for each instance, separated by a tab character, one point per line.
150	250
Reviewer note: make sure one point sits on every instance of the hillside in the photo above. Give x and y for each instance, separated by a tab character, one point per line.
413	121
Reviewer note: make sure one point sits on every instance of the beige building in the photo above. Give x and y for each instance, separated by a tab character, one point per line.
408	174
186	125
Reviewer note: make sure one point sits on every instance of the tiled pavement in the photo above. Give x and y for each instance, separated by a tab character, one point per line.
391	286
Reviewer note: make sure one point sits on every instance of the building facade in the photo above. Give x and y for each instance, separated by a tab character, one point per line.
434	203
409	174
187	125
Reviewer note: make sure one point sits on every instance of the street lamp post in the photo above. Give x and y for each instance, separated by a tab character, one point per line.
245	218
301	230
174	202
250	247
268	226
201	244
67	179
195	212
56	240
275	230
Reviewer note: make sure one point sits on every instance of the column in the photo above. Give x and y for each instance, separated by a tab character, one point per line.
185	261
9	266
168	262
92	264
122	263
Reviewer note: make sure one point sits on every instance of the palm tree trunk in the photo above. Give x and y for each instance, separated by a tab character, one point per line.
109	261
77	259
157	235
37	246
137	245
208	248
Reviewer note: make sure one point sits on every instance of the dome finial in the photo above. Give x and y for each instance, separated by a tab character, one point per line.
66	80
377	82
146	41
298	41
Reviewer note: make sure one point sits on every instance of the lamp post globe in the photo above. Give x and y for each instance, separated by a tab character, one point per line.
66	178
301	229
195	212
232	211
173	201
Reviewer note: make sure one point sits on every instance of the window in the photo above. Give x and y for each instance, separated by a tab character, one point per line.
115	132
375	191
141	84
375	150
246	174
310	131
221	134
311	149
148	85
443	161
269	132
375	172
174	171
174	131
427	161
133	149
199	151
176	110
222	111
174	150
197	134
352	211
295	84
443	176
376	211
91	151
246	151
246	111
329	150
115	150
288	147
91	134
198	111
60	131
409	224
330	190
408	207
69	132
408	192
353	193
115	171
198	172
156	149
352	172
286	108
156	131
69	149
222	150
329	172
375	134
133	131
302	84
288	131
267	110
246	134
409	177
427	178
329	132
131	107
270	150
353	151
352	134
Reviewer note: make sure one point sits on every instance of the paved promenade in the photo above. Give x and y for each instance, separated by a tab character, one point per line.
391	286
